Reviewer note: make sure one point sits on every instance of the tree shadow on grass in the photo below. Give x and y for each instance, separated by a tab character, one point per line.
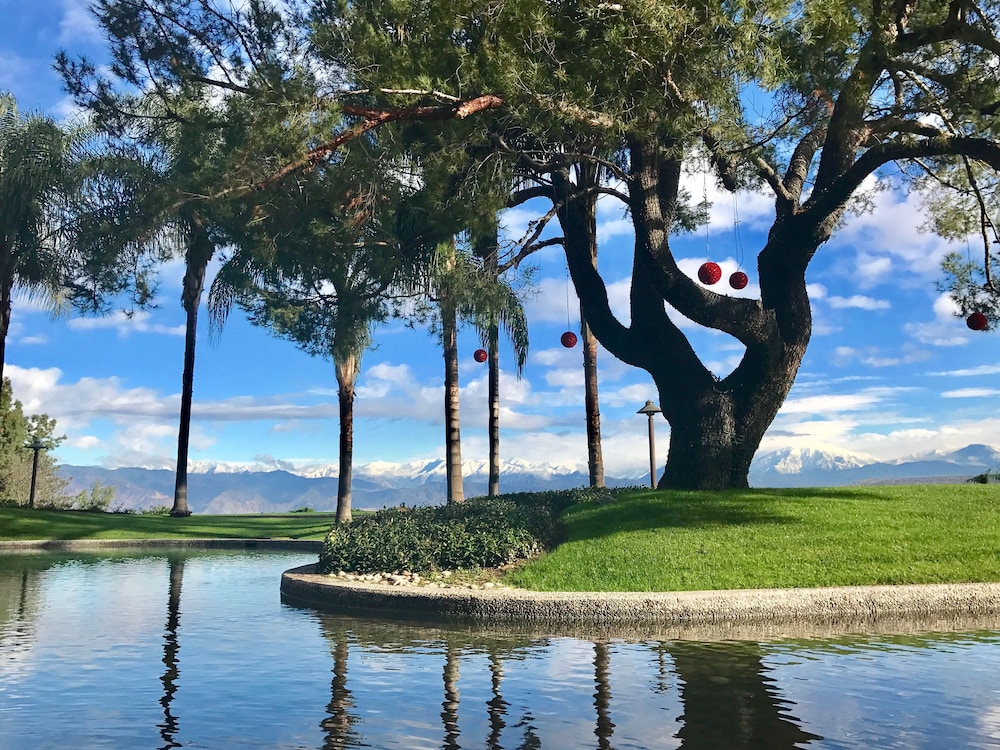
657	509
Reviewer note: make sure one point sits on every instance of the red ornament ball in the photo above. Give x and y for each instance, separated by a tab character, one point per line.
738	280
568	339
480	355
977	321
709	273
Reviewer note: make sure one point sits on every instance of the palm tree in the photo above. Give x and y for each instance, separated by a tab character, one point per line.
35	162
499	308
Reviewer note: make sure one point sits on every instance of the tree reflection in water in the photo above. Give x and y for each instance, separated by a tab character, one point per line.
602	698
449	709
338	726
497	706
725	695
168	729
730	701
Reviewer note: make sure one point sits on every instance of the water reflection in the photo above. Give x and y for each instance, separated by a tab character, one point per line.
338	726
83	642
602	698
168	729
731	701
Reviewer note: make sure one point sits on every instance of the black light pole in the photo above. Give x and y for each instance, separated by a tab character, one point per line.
36	446
649	410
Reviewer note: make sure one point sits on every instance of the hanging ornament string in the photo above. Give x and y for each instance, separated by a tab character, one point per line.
709	273
567	297
737	239
568	339
738	279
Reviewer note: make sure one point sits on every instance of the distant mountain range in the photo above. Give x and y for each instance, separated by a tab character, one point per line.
803	467
220	488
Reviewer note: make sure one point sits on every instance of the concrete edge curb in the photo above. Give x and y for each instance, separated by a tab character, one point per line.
97	545
906	608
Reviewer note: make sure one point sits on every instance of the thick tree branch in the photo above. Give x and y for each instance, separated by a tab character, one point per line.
824	202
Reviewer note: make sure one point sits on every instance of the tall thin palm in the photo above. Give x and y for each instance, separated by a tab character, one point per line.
500	308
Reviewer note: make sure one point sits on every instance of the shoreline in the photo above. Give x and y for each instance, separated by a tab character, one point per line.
98	545
701	615
737	614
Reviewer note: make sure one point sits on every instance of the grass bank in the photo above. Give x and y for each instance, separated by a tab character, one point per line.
23	524
686	541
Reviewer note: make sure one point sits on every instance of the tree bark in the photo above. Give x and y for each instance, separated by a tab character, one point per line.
595	456
347	369
452	424
494	416
578	219
716	424
199	253
5	308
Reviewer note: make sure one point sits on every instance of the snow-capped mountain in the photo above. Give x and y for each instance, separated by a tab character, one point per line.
266	487
807	460
807	467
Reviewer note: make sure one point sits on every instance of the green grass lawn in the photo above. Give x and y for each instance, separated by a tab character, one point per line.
684	541
676	541
22	523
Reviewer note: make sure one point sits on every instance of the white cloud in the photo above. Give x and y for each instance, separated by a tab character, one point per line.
32	340
859	301
829	404
873	356
971	393
816	291
125	324
77	23
969	371
887	245
944	330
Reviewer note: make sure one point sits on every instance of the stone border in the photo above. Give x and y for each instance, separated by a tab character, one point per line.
98	545
687	614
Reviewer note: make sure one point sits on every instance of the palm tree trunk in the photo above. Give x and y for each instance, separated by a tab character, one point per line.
347	370
494	418
452	424
4	325
199	253
595	457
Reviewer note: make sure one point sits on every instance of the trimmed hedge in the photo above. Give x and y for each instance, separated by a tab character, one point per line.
483	532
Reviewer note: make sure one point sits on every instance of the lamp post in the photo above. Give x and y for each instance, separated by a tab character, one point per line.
36	446
649	410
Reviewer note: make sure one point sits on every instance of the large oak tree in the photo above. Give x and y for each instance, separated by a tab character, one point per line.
858	90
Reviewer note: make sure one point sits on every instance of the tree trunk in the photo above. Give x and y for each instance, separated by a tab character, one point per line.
595	457
716	424
452	425
198	255
578	219
4	325
347	369
494	417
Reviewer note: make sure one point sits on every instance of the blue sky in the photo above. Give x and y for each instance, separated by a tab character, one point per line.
890	371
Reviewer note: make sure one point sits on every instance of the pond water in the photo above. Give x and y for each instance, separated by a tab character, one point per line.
196	650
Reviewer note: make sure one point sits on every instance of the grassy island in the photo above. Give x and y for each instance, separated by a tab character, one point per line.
629	540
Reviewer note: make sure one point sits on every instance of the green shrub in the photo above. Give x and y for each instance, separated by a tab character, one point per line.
479	533
97	499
